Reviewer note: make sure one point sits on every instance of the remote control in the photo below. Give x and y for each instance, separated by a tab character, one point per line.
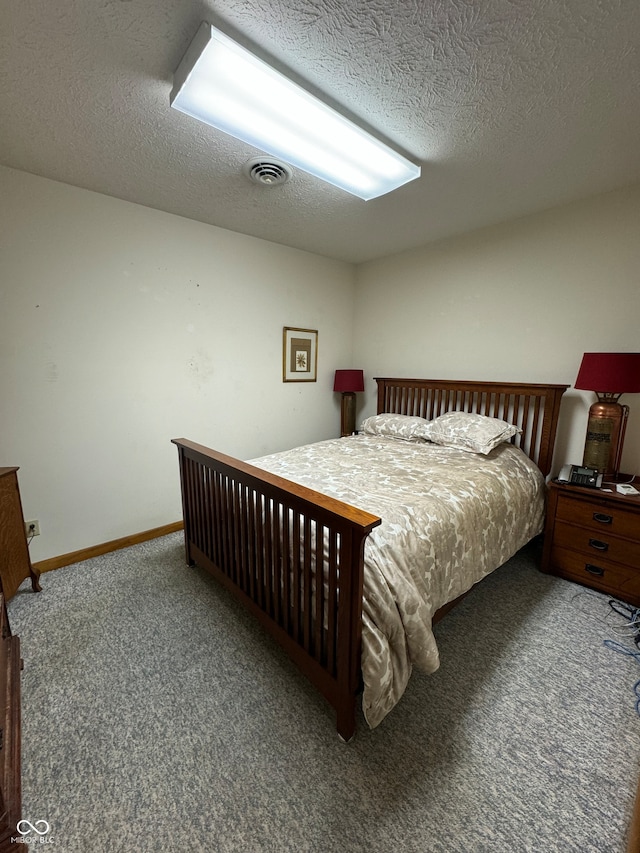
626	489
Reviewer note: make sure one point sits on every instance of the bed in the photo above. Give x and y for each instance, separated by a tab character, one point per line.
349	550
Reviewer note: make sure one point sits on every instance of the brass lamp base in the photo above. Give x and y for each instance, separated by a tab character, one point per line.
605	435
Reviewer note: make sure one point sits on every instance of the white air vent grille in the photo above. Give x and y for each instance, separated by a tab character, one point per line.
267	171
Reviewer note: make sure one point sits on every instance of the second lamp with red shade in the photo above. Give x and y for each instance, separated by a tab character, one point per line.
348	383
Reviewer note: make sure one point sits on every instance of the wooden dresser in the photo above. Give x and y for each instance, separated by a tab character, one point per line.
592	536
15	563
15	566
10	788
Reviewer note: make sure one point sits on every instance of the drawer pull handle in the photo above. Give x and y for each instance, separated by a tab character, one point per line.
594	570
598	545
602	518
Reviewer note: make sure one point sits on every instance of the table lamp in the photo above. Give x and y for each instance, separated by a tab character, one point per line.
609	374
348	383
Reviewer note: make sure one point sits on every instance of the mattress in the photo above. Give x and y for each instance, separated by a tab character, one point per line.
449	518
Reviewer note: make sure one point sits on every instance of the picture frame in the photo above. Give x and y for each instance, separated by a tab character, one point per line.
299	354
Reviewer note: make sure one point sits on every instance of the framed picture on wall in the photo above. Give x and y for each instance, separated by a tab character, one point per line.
299	355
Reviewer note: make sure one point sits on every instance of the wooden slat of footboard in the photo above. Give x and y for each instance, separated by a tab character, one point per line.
293	571
308	591
320	602
332	594
294	556
285	536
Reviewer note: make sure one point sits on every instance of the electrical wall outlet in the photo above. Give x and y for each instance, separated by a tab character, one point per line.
32	528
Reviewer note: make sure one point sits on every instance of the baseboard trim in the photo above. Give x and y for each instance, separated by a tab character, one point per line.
106	547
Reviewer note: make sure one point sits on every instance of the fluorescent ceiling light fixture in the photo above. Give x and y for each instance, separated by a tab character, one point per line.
222	84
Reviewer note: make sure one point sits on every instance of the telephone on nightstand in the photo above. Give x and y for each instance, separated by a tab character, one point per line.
575	475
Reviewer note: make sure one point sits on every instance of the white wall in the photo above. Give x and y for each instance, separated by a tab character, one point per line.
122	328
517	302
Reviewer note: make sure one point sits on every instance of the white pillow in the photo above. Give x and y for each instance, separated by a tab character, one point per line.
472	432
404	427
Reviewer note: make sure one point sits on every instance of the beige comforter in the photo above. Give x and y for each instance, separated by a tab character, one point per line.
449	517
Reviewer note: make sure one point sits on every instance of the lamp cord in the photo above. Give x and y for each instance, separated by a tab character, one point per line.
632	614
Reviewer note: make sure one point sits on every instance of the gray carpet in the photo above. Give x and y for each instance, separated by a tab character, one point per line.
158	717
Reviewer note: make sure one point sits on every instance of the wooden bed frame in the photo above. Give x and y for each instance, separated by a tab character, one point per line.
261	536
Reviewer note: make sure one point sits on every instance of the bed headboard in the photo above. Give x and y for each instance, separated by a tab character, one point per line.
532	407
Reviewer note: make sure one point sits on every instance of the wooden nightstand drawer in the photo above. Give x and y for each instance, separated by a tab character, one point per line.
592	537
598	544
599	516
621	581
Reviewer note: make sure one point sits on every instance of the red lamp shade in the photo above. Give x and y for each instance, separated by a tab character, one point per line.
349	381
610	372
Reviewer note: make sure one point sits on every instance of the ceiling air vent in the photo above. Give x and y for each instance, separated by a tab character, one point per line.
267	171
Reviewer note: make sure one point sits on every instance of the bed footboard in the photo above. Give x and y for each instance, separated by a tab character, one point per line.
293	556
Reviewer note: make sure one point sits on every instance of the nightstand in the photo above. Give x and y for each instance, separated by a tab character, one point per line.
592	537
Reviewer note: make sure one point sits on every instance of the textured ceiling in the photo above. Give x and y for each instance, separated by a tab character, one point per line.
510	106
